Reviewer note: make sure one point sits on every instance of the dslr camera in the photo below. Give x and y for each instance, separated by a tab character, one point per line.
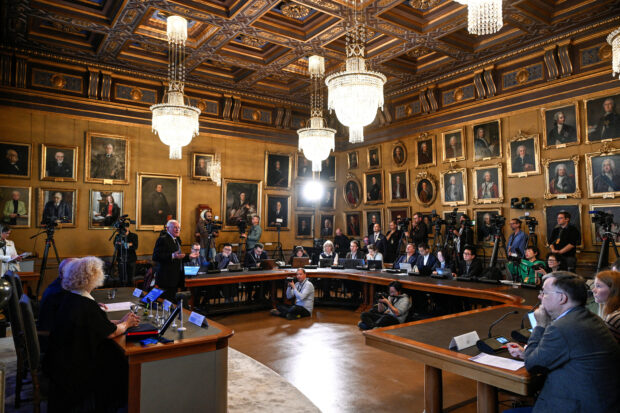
381	295
290	280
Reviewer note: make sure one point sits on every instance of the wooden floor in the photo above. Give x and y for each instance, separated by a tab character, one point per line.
325	357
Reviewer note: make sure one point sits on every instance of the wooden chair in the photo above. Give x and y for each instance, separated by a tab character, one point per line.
17	331
33	351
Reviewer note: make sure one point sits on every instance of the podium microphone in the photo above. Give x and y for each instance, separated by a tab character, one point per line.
493	344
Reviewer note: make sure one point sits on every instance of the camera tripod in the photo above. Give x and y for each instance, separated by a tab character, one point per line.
603	256
499	242
120	255
278	255
438	238
49	242
532	237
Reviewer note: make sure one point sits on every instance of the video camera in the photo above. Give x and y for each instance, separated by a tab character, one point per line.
52	222
531	222
497	222
403	224
602	218
123	222
212	226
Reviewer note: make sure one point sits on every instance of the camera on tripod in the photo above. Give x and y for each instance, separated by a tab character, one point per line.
602	218
403	224
212	226
52	222
242	224
122	223
531	222
497	223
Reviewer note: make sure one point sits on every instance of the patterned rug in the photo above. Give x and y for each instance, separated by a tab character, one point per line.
252	386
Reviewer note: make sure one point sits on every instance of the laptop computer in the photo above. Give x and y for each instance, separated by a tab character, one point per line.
326	262
350	263
191	270
442	273
375	264
300	262
268	264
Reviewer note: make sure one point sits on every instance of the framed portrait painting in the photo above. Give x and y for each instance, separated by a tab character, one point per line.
602	119
425	150
374	157
58	205
399	154
459	214
303	229
15	160
158	200
523	155
453	145
301	200
453	184
329	198
603	173
59	163
372	217
484	227
399	186
352	192
105	208
328	169
327	225
395	214
201	164
107	158
353	160
487	140
489	184
353	223
278	212
278	167
598	232
240	202
550	213
16	204
562	177
304	167
561	126
373	187
425	188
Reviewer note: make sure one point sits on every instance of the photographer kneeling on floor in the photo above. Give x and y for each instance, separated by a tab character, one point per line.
303	291
390	310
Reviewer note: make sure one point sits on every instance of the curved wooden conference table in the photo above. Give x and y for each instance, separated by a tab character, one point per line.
427	341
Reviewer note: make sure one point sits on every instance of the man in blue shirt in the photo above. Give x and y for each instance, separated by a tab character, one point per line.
303	291
517	242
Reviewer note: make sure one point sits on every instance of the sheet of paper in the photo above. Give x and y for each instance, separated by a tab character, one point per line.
495	361
124	306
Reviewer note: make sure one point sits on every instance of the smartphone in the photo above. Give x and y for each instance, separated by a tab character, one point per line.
530	316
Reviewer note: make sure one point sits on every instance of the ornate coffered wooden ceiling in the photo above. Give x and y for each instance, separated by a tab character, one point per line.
261	46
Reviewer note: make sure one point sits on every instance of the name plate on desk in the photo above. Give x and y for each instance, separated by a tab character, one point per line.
167	305
196	319
137	293
463	341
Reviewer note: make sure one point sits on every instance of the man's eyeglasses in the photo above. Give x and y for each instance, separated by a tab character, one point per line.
543	292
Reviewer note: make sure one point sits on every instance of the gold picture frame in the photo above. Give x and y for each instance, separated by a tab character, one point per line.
15	160
59	163
399	185
425	188
200	170
484	228
65	215
271	212
599	182
353	223
569	187
162	194
235	207
97	202
550	214
493	191
596	129
570	133
519	164
487	138
374	191
278	179
101	168
426	154
301	231
353	160
399	153
378	212
352	191
373	157
458	193
456	152
23	217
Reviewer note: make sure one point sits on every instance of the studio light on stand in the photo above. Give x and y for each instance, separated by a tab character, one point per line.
313	190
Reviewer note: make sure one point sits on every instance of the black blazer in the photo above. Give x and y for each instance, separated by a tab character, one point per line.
381	242
169	272
475	269
251	260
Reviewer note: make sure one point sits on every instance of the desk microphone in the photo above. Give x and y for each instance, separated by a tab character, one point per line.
493	344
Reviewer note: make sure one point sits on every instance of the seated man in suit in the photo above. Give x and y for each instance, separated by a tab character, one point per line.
574	348
254	256
194	258
469	266
226	257
355	253
169	260
425	261
410	257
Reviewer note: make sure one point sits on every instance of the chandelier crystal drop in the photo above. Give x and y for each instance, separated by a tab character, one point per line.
355	93
614	40
215	169
316	141
483	16
174	121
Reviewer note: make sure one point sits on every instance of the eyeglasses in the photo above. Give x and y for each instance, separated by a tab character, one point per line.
543	293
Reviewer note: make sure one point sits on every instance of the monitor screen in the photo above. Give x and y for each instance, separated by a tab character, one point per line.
191	270
152	295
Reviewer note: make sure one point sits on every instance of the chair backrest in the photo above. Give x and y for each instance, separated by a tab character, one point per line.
15	317
16	282
30	333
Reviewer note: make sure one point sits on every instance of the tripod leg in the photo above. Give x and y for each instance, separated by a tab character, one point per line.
43	265
603	256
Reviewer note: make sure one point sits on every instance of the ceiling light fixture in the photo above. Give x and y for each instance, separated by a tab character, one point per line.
614	40
294	10
356	93
174	121
483	16
316	141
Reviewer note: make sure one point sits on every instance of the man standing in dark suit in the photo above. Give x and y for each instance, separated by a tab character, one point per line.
574	348
378	239
469	266
169	260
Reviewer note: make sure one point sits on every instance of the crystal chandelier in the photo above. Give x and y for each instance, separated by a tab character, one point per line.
614	40
356	93
215	169
316	141
483	16
175	122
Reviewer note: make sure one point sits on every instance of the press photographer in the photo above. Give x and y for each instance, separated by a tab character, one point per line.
206	231
419	231
125	245
464	235
527	269
390	309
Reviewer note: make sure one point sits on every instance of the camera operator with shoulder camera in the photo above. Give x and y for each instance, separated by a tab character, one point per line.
464	235
206	231
390	309
526	269
125	245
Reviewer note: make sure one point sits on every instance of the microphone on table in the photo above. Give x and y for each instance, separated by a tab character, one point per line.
493	344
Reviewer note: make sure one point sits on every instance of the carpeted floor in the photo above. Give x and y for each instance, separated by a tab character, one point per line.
263	389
